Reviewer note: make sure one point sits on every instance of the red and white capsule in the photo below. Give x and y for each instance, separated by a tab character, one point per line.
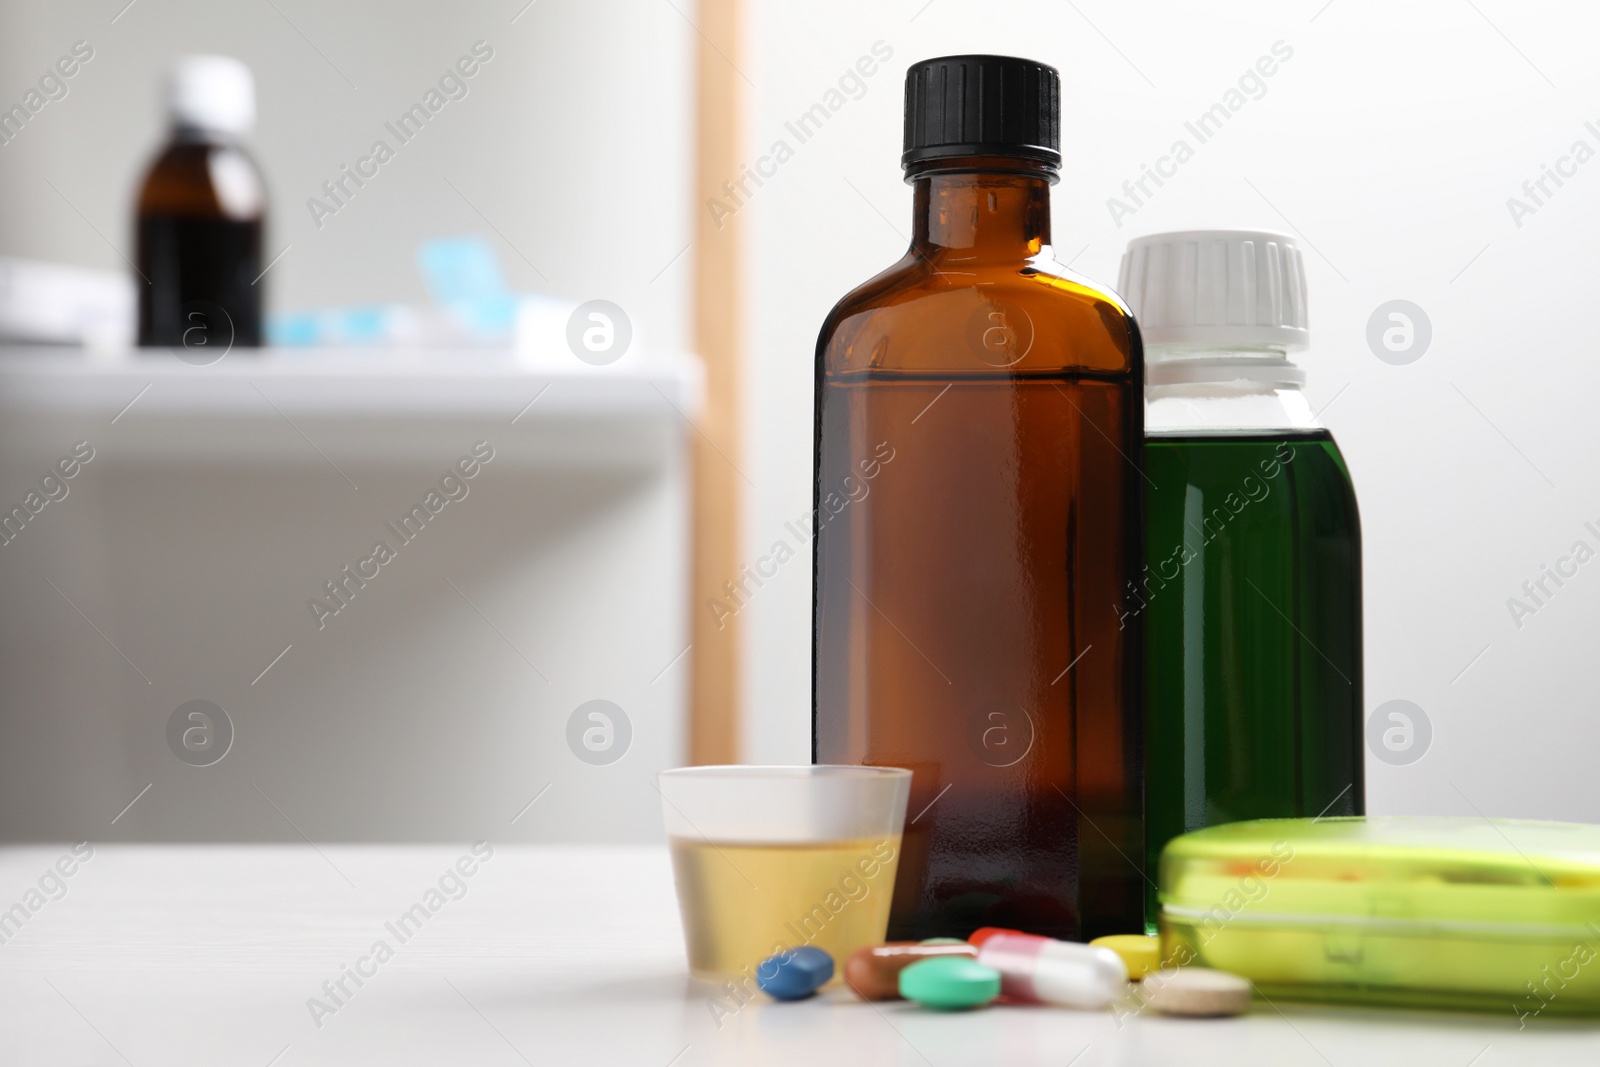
1042	970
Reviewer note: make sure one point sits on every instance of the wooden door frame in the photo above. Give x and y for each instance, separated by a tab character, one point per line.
718	322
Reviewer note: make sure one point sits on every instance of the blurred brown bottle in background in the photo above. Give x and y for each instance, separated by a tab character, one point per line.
200	217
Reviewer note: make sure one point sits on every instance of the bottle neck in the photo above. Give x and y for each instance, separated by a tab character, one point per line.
1265	367
981	209
1213	390
180	131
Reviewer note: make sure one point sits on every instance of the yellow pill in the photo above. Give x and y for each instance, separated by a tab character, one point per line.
1141	954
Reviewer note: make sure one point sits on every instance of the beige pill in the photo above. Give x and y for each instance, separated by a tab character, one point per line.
1196	991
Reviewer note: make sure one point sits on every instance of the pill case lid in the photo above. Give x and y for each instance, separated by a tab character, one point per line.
1440	875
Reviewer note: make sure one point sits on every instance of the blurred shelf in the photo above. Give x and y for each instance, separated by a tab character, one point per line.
347	381
269	405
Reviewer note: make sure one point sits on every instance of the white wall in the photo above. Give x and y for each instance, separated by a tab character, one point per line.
1389	143
574	141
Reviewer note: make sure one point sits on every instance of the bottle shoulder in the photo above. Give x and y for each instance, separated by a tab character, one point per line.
205	179
944	315
1250	468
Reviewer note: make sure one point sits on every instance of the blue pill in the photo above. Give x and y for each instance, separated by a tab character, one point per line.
795	973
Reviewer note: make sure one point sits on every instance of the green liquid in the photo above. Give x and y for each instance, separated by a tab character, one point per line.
1252	609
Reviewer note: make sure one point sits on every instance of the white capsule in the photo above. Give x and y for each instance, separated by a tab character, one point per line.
1042	970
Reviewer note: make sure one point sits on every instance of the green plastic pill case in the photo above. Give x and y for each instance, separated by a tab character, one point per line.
1499	915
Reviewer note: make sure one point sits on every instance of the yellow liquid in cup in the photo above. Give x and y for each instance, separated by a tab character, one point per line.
744	902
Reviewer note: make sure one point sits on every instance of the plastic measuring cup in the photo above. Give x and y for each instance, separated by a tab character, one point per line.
770	858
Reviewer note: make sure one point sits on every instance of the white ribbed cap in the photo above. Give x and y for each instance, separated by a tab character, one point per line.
214	93
1222	288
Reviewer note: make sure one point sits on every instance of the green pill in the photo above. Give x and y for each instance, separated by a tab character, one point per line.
949	983
942	941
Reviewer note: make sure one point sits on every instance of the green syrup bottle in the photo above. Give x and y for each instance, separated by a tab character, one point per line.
1251	594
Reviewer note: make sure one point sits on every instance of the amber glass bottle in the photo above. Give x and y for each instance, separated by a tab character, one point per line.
979	424
200	216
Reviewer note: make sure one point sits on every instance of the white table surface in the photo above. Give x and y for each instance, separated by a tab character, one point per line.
162	955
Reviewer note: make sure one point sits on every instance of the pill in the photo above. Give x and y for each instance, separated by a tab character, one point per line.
1042	970
1196	991
794	973
942	941
874	970
949	983
1140	954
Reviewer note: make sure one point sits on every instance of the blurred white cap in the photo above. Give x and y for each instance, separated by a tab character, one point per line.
213	93
1222	288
